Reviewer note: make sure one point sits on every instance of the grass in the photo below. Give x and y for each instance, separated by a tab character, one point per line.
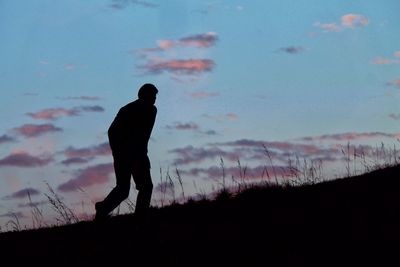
302	220
343	222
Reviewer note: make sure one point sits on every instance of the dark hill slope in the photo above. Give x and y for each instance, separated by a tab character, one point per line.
346	222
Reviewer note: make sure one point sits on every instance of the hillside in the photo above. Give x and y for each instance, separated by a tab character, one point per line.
345	222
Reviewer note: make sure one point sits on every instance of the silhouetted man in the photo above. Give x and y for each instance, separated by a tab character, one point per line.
128	136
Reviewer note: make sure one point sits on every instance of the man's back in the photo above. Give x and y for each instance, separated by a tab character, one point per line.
130	131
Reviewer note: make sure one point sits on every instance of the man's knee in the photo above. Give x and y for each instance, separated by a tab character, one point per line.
145	187
123	192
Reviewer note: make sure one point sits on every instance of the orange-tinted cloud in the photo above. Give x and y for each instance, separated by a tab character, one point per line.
354	20
188	66
203	40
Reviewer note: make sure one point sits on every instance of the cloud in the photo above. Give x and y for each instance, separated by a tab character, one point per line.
203	40
25	160
52	113
384	61
70	66
395	83
121	4
254	150
328	27
395	117
396	54
55	113
202	95
86	98
220	118
18	215
97	174
183	126
351	136
190	126
243	172
292	49
200	40
102	149
91	108
76	160
6	139
347	21
32	204
190	154
188	66
34	130
354	20
24	193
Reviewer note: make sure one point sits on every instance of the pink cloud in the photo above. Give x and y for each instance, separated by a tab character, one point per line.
349	21
203	40
52	113
189	66
396	54
350	136
88	98
354	20
254	150
200	40
190	154
97	174
384	61
395	83
24	193
219	118
88	152
55	113
183	126
69	66
25	160
261	171
76	160
328	27
34	130
202	95
232	116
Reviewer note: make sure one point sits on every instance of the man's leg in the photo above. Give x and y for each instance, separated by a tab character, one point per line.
142	178
121	190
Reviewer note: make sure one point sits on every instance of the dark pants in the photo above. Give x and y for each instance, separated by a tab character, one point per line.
139	168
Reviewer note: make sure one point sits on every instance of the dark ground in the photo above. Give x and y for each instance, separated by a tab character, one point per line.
346	222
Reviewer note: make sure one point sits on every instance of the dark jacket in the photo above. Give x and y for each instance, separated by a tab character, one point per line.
130	131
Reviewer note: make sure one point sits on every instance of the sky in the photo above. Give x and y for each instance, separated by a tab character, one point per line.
253	88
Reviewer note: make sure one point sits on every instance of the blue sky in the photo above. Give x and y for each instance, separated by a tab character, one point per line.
303	78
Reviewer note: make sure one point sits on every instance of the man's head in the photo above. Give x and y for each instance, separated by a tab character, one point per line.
148	93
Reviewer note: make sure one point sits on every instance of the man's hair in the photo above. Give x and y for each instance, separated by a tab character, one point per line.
147	90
